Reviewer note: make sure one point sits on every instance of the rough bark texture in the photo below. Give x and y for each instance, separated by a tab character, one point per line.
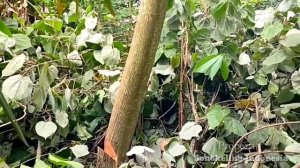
132	90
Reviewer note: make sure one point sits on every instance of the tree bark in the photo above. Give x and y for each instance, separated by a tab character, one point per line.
132	90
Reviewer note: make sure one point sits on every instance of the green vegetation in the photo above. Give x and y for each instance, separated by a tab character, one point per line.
224	85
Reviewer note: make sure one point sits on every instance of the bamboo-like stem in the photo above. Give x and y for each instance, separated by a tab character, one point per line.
11	117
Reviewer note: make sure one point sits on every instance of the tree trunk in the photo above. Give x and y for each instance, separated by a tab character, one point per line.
132	90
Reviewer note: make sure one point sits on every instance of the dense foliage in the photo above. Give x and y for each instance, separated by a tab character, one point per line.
224	86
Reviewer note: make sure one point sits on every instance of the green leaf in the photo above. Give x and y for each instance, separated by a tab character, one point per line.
234	126
219	12
216	116
101	94
215	68
287	66
22	42
292	38
214	147
179	6
209	65
61	118
175	61
294	147
258	137
285	96
169	53
47	75
56	24
285	5
271	30
170	3
17	87
190	130
82	132
14	65
40	25
176	149
209	48
159	53
261	79
154	84
201	35
295	79
39	97
226	26
108	56
87	79
60	162
109	6
273	87
275	137
163	67
278	56
230	48
45	129
285	108
4	29
225	69
190	7
40	164
80	150
69	99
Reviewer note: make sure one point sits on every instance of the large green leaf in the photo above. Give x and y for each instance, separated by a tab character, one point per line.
294	147
109	6
45	129
225	69
190	7
61	118
234	126
275	137
285	96
278	56
292	38
220	11
108	56
176	149
17	87
82	132
80	150
258	137
22	42
14	65
261	79
190	130
209	65
4	29
271	30
226	26
47	75
214	147
216	115
215	68
39	97
285	5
